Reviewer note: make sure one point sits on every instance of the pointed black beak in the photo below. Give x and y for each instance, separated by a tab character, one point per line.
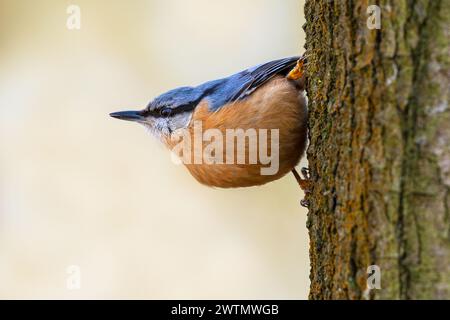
128	115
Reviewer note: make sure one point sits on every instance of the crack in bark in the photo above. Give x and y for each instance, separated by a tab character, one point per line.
411	151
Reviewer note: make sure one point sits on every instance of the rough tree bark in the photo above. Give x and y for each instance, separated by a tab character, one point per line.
379	153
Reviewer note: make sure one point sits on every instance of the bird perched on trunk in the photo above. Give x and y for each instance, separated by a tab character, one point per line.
268	98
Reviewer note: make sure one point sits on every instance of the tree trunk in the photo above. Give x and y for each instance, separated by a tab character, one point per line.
379	153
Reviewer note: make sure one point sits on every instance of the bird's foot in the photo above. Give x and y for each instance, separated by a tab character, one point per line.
304	183
304	203
297	72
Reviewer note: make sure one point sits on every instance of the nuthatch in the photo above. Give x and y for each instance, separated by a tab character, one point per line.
267	96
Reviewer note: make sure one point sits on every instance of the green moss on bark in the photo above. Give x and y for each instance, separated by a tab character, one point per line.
379	153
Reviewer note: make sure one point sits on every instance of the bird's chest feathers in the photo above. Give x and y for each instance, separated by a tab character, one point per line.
269	124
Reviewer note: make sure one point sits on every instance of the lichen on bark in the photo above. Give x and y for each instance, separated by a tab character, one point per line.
379	153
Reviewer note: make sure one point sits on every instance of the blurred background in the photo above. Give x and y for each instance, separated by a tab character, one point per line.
78	188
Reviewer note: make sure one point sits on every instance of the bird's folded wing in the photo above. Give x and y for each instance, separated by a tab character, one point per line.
255	77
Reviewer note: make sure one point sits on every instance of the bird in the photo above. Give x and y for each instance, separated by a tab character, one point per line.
269	96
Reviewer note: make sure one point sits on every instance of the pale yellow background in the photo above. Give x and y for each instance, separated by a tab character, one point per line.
80	188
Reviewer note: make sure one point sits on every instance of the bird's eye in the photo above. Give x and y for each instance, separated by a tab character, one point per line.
165	112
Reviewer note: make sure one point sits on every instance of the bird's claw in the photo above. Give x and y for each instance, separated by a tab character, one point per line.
304	183
304	203
305	173
297	72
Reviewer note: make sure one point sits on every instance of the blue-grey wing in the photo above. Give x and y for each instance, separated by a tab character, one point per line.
259	75
242	84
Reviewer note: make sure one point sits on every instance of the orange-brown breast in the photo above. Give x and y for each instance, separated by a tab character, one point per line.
276	105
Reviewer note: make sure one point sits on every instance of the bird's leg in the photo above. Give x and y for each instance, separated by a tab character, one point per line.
304	184
297	72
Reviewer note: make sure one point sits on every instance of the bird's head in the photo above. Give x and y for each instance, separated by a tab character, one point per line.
168	112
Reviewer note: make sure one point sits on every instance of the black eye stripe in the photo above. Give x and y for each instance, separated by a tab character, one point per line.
184	108
164	112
